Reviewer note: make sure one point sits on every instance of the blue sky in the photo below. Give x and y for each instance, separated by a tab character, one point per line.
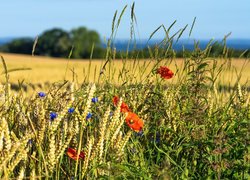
215	18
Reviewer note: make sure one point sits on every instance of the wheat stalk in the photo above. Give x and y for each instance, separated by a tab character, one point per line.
8	143
52	152
114	121
88	103
21	174
103	124
87	157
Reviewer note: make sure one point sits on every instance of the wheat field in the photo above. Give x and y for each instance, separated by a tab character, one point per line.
128	120
46	69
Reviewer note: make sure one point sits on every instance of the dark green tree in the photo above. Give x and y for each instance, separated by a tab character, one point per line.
83	40
55	42
21	45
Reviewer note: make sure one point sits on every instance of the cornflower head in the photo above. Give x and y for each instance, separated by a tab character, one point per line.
140	133
41	94
30	142
156	138
89	115
71	110
53	115
94	100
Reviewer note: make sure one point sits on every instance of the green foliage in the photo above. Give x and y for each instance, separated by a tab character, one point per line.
22	45
58	43
54	42
83	40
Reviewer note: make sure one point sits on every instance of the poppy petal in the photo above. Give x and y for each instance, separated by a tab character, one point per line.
72	153
134	122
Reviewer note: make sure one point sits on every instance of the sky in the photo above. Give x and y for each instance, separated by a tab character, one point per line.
214	18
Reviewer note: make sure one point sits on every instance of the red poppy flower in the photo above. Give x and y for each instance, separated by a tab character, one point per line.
165	72
124	106
134	122
72	153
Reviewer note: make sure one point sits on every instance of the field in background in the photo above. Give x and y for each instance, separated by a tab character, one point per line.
44	69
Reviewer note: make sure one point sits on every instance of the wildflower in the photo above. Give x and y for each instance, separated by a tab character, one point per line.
71	110
134	122
140	133
165	72
72	153
41	94
94	99
124	106
156	138
30	141
53	115
89	115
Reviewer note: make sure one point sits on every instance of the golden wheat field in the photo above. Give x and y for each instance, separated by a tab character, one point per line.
45	69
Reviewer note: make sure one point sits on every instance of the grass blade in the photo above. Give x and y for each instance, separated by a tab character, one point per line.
190	32
182	31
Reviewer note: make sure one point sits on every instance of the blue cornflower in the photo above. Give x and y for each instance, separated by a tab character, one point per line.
71	110
140	133
157	137
89	115
52	115
30	141
95	99
41	94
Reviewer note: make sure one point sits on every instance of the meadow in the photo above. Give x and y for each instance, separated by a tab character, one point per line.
157	118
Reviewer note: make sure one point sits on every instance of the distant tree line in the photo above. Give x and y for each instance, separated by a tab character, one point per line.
59	43
82	43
